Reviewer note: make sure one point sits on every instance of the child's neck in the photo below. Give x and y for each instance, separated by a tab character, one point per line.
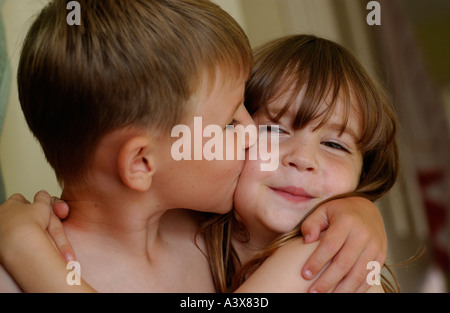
127	221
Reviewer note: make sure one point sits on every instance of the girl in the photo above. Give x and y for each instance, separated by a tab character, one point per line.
337	138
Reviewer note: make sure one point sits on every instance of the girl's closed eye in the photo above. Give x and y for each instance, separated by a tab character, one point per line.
231	124
335	145
273	129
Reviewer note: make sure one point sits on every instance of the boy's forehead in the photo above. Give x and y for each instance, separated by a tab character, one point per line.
220	92
221	83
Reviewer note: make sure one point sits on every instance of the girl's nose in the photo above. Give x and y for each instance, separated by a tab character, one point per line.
300	154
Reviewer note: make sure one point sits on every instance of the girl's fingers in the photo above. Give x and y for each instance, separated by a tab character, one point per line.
17	197
60	208
56	232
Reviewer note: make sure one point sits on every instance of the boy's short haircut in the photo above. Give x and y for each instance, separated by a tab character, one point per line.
129	63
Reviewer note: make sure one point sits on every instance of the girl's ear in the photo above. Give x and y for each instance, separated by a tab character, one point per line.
135	163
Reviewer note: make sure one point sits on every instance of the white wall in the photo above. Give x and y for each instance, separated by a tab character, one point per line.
24	167
234	8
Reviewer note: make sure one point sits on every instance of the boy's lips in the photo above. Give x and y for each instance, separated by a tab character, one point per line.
293	194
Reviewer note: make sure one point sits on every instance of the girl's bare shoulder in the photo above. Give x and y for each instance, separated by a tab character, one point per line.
281	272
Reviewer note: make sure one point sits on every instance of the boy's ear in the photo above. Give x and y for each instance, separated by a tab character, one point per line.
135	163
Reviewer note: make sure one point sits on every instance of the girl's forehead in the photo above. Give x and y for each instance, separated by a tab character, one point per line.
289	107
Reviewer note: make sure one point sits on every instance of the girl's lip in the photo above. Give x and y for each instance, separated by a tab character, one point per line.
293	194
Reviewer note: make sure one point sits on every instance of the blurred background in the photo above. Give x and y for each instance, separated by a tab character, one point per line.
409	51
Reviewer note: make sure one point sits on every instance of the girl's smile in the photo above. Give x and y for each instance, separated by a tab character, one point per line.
293	194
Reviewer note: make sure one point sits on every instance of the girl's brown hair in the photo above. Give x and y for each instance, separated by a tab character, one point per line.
325	69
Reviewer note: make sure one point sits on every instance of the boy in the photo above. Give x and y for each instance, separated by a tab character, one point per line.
101	99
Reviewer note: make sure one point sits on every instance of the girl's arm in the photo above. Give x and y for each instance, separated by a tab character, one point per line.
280	272
26	250
354	236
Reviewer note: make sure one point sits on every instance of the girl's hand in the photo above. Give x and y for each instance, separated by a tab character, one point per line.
20	220
60	208
56	230
354	236
29	233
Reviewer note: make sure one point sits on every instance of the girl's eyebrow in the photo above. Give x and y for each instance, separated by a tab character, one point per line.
338	128
273	113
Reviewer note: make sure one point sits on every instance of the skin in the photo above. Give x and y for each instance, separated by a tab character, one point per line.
118	226
142	169
315	164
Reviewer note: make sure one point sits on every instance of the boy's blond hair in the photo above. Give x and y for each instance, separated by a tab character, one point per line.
129	63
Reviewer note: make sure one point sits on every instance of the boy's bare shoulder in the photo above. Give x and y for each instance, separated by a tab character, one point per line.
7	284
187	250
